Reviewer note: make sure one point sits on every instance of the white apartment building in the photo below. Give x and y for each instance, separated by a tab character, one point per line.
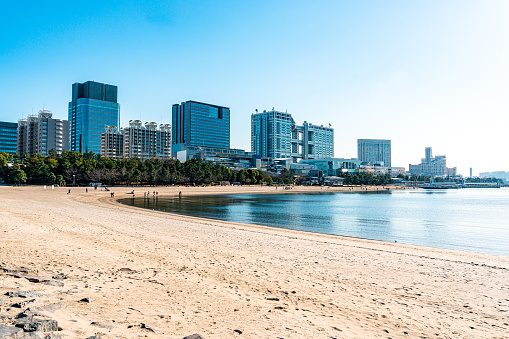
40	133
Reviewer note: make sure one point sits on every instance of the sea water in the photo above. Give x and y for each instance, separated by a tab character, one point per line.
475	220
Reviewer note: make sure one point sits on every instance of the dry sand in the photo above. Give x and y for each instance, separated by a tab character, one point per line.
183	275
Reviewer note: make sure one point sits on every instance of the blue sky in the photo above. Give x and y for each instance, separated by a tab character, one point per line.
421	73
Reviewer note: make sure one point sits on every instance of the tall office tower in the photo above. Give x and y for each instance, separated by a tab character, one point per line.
93	107
374	151
112	143
196	124
147	142
8	137
275	135
38	134
271	134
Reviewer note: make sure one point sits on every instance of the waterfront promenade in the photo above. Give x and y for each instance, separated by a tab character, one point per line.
183	275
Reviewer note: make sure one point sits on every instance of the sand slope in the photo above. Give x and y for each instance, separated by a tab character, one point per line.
183	275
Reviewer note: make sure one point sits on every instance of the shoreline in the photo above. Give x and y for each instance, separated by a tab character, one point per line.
313	190
192	275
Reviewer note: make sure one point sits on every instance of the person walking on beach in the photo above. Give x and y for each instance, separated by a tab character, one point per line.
180	195
69	192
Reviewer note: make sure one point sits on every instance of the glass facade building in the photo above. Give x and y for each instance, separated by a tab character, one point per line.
276	135
8	137
197	124
93	107
374	152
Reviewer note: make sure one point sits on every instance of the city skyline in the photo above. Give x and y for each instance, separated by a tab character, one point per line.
420	74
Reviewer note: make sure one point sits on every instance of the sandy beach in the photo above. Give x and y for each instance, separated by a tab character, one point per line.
152	274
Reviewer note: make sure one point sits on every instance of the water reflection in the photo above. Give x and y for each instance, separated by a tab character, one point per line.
469	219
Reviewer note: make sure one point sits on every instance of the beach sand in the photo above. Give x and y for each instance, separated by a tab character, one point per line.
182	275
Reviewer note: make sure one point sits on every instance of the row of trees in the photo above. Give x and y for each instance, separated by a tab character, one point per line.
76	168
82	169
364	178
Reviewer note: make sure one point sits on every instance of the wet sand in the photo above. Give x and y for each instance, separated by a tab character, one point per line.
183	275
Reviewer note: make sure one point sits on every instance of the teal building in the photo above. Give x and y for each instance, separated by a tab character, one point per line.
8	137
93	107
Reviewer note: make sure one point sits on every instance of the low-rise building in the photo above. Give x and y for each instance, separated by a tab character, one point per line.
432	166
334	166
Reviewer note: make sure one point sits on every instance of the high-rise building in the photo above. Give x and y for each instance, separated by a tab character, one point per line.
112	143
432	166
8	137
276	135
137	141
38	134
147	142
271	134
196	124
375	152
93	107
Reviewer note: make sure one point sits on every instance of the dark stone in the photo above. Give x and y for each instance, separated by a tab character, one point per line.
29	277
10	332
194	336
36	278
22	304
125	269
85	300
30	324
148	327
101	325
53	282
237	331
94	337
24	294
272	299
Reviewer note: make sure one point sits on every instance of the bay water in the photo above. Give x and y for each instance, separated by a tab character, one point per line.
475	220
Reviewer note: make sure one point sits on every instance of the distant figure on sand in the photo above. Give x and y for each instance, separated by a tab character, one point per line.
112	194
180	194
69	192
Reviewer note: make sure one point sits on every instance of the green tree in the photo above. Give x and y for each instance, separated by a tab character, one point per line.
17	175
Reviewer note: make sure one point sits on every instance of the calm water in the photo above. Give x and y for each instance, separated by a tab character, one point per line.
474	220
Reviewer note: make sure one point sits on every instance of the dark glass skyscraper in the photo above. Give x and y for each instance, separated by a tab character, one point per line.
196	124
93	106
8	137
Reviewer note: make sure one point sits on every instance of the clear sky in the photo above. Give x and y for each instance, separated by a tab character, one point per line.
421	73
